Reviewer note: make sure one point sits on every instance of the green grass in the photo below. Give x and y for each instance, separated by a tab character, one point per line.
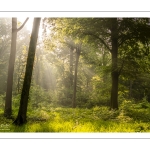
98	119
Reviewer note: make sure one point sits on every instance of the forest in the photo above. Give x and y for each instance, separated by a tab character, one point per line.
75	75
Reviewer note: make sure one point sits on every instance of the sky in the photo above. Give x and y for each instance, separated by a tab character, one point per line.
29	24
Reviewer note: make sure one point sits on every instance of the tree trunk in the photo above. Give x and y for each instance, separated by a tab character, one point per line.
8	101
71	73
114	71
21	118
78	50
104	77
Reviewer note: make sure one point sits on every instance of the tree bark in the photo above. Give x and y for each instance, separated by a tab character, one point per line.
71	73
78	50
22	114
114	71
8	101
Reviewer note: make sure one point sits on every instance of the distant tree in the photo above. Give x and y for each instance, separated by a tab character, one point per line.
5	40
78	51
113	34
22	114
8	101
20	69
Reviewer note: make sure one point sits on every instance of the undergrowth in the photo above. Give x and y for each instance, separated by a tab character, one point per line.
129	118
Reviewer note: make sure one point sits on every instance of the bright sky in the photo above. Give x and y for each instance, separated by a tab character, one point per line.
29	24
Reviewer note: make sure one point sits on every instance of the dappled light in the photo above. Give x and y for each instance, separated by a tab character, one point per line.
74	75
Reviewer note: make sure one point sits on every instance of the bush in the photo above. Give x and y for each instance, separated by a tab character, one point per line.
105	113
138	112
39	98
2	101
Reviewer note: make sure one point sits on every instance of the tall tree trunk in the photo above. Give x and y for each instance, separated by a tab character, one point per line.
21	118
37	72
114	71
8	101
104	77
78	50
71	74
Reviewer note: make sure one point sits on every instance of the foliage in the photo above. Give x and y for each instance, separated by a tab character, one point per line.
50	98
2	98
5	40
131	118
40	98
138	112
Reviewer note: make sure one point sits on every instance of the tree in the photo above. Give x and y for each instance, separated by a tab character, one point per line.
20	69
78	51
22	114
114	71
8	101
112	34
5	40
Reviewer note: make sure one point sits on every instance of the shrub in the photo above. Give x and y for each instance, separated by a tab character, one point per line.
138	112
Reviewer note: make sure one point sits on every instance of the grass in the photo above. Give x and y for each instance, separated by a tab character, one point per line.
98	119
129	118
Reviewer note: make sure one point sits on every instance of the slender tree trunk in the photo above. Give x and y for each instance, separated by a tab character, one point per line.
37	72
104	78
21	118
114	72
78	50
71	73
8	101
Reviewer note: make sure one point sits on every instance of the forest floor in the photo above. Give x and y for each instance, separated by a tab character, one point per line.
129	118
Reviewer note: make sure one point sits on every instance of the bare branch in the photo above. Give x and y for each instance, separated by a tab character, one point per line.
101	40
22	25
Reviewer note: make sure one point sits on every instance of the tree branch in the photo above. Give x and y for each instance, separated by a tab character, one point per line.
22	25
121	68
101	40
